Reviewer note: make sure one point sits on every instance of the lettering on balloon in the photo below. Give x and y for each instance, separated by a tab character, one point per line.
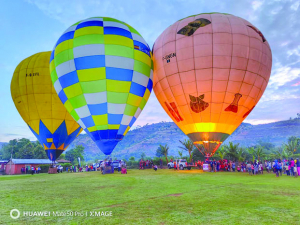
174	111
32	74
168	57
257	31
190	29
233	107
197	104
247	113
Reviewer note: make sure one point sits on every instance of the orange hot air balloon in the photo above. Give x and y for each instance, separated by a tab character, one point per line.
210	70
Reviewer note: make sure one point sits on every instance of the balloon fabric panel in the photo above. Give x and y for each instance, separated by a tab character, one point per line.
101	69
38	104
214	69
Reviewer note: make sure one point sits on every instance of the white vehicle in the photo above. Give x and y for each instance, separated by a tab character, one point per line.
182	164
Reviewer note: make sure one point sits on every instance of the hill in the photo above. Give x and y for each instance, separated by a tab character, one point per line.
147	138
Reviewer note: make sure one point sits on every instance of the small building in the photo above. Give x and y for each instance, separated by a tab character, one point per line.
15	166
2	166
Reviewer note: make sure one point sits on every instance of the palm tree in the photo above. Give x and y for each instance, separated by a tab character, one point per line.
291	147
221	152
258	153
165	151
280	153
180	154
240	155
189	146
232	151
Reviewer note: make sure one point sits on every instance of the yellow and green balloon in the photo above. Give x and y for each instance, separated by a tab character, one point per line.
101	69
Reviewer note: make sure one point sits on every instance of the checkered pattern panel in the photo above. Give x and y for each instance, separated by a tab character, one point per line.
101	69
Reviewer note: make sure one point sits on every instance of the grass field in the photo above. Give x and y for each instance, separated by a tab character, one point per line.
148	197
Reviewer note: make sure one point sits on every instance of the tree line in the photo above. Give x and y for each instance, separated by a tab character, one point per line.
25	149
234	152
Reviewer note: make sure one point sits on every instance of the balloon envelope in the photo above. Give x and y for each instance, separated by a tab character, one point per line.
38	104
210	70
101	69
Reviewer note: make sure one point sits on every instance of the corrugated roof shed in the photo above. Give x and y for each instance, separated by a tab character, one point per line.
31	161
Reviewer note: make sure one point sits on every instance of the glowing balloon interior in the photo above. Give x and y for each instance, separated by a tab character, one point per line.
210	70
38	104
101	69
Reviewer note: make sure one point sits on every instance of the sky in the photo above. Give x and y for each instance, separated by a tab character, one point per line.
31	26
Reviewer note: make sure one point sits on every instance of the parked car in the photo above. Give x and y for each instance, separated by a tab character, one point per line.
182	164
116	163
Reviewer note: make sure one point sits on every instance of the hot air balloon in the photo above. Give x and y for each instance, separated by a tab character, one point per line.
101	69
210	70
38	104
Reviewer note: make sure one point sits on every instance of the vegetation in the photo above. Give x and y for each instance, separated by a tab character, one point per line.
23	149
188	146
73	154
149	197
163	150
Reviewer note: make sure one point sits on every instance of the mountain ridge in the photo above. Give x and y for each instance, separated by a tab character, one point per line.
148	138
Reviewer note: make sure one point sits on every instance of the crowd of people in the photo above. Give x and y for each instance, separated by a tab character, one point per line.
32	170
145	164
289	167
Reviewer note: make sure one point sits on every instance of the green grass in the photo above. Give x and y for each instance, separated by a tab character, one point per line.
148	197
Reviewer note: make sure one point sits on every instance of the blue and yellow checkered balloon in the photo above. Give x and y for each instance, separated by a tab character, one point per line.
102	71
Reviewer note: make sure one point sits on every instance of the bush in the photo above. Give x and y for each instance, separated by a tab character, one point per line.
66	165
44	168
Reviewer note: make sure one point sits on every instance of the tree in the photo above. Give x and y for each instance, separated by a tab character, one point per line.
188	146
258	153
143	155
180	154
159	152
131	158
240	155
163	151
221	153
292	146
279	153
39	151
232	151
23	149
73	154
62	156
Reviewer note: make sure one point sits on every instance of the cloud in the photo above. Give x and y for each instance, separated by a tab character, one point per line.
283	75
258	121
296	84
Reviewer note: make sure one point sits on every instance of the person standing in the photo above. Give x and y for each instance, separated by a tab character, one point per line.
292	163
32	170
298	166
295	171
233	166
119	166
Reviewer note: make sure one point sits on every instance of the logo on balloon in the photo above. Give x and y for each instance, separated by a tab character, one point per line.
174	111
197	104
32	74
233	107
190	29
168	57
